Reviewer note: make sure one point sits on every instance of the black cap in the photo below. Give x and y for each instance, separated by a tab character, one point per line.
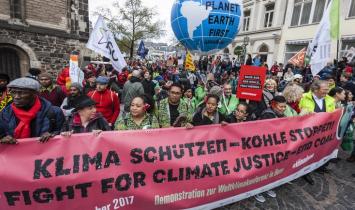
83	101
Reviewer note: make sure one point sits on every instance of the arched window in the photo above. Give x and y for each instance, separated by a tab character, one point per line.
264	49
226	51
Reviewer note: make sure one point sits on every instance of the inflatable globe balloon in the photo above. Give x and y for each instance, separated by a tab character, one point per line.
206	26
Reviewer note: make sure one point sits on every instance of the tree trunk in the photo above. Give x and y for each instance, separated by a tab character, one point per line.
131	50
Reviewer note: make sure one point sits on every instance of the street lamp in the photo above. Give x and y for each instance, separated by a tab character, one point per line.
245	44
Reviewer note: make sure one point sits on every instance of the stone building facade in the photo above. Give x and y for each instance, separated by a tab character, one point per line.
278	29
41	34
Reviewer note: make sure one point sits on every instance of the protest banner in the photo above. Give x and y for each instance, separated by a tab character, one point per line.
251	82
174	168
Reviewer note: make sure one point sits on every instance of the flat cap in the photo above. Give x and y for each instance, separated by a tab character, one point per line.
102	80
24	83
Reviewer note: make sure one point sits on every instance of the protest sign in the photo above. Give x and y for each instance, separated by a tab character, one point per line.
251	82
174	168
75	73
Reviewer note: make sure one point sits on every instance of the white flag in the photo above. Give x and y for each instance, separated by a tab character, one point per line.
328	29
103	42
75	73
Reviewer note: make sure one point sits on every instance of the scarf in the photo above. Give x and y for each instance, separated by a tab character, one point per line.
23	129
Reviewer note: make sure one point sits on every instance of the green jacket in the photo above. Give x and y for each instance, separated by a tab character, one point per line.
163	112
200	94
127	123
228	105
308	104
192	104
289	112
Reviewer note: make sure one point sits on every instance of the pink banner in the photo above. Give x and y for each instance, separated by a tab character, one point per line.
174	168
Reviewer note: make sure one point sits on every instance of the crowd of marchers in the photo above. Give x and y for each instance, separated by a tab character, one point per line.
161	94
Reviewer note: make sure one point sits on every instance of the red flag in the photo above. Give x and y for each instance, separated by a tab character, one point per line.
298	59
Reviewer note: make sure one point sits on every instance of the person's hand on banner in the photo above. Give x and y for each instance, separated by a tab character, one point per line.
96	132
66	133
189	126
8	140
45	137
224	123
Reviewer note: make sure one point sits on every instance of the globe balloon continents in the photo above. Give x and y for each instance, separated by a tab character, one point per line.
206	26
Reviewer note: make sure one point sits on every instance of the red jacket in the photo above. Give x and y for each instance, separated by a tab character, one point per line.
107	103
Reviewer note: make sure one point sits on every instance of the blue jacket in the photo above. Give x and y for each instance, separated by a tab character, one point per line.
49	119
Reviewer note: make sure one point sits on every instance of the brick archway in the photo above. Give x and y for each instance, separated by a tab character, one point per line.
24	51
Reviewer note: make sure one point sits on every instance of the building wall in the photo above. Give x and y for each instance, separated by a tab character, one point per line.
51	14
282	37
47	33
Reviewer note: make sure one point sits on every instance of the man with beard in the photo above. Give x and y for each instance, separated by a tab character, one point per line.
50	91
107	101
29	115
173	111
5	97
67	106
229	101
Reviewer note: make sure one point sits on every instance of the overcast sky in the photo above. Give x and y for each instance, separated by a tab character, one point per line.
162	7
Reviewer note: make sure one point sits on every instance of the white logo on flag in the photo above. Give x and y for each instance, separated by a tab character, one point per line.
102	41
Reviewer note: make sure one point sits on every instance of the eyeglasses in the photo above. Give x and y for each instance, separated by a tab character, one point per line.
175	93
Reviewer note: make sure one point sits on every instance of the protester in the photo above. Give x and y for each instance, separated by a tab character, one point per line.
29	115
276	109
107	101
190	100
289	74
172	110
208	114
240	114
50	91
293	94
338	94
317	100
148	85
229	101
132	88
5	96
33	73
200	91
75	91
90	84
140	115
85	118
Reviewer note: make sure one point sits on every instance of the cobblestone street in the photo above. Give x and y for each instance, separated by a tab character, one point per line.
333	191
